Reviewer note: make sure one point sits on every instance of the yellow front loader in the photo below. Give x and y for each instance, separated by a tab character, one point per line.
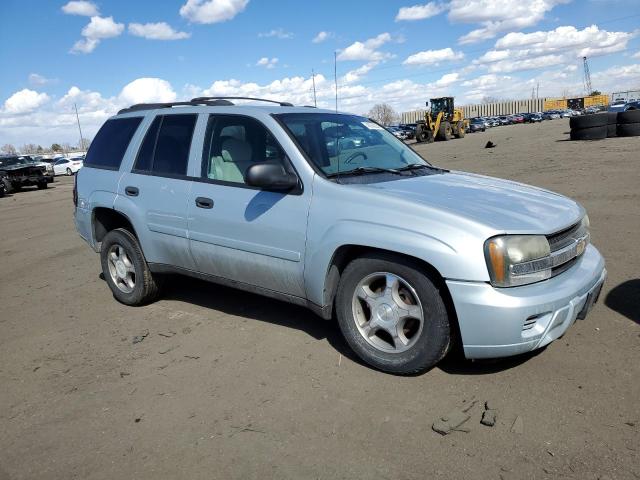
442	122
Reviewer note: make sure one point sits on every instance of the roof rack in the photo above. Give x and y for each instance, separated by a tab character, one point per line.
277	102
209	101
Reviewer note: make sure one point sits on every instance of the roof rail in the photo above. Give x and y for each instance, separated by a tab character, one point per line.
204	99
209	101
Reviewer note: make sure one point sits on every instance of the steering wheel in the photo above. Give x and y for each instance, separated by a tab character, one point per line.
353	156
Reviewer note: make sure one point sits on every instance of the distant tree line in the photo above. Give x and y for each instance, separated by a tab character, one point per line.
32	148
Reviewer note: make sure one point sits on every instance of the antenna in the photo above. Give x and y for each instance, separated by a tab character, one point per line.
81	146
587	76
335	75
313	79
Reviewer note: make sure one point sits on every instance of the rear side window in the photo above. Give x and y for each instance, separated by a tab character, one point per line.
111	142
165	149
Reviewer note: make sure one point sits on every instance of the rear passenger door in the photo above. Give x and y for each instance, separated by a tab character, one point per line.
239	232
156	190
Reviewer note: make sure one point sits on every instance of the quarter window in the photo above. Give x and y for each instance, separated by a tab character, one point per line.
165	149
111	142
233	143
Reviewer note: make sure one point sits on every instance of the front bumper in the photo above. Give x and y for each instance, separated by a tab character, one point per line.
499	322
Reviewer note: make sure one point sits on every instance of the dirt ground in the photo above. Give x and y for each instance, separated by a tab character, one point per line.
234	386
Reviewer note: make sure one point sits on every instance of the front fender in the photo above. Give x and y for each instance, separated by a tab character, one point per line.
449	261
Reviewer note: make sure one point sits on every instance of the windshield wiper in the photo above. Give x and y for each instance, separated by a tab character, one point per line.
413	166
362	171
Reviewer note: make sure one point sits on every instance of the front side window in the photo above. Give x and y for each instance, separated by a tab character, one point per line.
233	143
166	145
339	143
111	142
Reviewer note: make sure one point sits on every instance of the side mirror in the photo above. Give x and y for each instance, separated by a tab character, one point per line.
426	104
270	176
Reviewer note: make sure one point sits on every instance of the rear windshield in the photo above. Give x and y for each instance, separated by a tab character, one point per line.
337	142
111	142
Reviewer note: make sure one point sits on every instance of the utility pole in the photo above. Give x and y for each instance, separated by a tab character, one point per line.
538	90
81	146
587	77
335	75
313	79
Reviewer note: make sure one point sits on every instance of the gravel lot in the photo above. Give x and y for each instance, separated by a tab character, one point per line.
232	385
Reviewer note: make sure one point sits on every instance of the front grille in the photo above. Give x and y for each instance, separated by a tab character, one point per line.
565	237
563	244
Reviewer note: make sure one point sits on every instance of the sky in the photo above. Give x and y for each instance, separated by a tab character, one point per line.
105	55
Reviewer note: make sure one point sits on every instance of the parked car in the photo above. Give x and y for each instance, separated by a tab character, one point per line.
409	129
22	172
623	107
504	120
47	169
477	125
406	253
518	118
67	166
398	132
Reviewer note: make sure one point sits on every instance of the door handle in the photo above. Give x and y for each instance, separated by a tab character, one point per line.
204	202
132	191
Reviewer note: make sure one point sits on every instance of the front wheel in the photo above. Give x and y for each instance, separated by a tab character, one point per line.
392	315
69	172
125	269
42	185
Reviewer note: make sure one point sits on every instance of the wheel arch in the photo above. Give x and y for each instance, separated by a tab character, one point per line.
344	254
105	219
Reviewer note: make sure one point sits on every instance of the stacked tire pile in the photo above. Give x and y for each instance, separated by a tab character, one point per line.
598	126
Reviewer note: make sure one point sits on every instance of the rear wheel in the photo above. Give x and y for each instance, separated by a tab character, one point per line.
126	270
461	130
69	172
392	315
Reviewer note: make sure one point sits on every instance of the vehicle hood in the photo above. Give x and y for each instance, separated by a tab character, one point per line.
503	205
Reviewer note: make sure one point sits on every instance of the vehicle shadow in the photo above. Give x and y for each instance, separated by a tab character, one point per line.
255	307
625	299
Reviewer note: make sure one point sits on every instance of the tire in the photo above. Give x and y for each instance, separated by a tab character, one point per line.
421	133
42	185
628	129
444	132
461	130
588	121
145	287
630	116
591	133
428	341
611	130
69	172
612	118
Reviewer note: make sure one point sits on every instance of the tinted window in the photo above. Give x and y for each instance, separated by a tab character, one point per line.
234	143
165	149
110	143
144	160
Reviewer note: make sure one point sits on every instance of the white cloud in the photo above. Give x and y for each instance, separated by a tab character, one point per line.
367	50
80	7
267	62
276	33
39	80
99	28
322	36
24	101
563	45
356	74
447	80
636	55
147	90
212	11
420	12
495	17
156	31
433	57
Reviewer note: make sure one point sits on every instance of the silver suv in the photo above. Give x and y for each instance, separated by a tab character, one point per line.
331	211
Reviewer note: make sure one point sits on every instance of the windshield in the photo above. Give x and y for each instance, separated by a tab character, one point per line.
12	161
339	143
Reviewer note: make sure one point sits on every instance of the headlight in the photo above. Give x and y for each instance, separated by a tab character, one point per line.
517	259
